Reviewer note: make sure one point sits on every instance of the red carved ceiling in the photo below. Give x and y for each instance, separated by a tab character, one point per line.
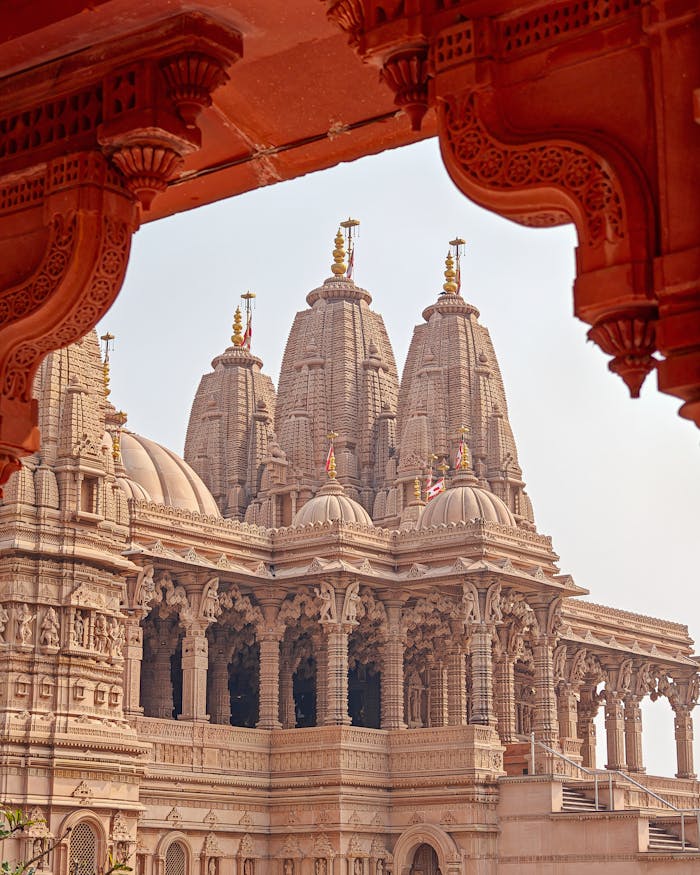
578	110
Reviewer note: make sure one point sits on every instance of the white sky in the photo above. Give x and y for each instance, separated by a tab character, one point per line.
615	482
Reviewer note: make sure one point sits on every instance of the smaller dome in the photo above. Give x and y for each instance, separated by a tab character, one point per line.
465	501
331	503
157	474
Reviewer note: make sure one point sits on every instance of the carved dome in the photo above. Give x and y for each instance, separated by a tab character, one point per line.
331	503
465	501
154	472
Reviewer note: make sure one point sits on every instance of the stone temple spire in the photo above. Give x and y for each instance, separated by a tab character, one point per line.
338	372
452	380
230	423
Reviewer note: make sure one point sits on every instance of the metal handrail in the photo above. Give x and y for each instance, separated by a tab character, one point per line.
610	772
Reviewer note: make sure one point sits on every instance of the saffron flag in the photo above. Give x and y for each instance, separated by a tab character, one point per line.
461	449
247	337
435	489
330	458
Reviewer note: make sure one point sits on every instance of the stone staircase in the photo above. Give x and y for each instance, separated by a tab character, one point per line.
661	839
574	800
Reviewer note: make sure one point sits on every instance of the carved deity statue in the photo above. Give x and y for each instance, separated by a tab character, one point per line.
357	868
471	604
116	638
4	620
25	618
249	867
321	866
210	601
288	867
49	629
101	634
326	595
78	629
211	866
380	868
352	600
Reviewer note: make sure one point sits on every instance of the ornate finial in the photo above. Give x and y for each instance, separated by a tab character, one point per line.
338	267
350	229
458	245
450	286
108	340
443	467
237	336
463	452
330	459
416	489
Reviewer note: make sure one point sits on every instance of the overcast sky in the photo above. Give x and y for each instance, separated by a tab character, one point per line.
615	482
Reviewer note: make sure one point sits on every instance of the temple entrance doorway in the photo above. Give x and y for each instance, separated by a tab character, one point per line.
425	862
304	686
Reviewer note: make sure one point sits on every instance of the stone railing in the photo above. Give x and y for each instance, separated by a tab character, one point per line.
353	755
200	747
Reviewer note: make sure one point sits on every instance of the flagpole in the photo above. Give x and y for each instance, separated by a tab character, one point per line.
458	245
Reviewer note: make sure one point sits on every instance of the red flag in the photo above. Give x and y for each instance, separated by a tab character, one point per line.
435	489
351	264
330	458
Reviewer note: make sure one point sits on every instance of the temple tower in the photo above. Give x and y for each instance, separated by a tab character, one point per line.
338	374
452	385
230	423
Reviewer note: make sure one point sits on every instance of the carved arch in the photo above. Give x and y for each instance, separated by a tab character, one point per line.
80	258
556	179
425	834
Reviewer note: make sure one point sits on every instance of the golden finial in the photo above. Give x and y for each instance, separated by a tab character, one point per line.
108	340
464	449
416	489
237	337
443	467
339	267
450	286
330	459
120	419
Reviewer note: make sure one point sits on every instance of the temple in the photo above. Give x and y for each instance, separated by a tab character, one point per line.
330	640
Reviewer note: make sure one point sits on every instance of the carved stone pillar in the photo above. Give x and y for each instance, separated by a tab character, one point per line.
683	728
287	709
587	710
195	664
633	734
133	657
545	724
321	679
614	730
392	671
567	711
269	679
219	695
438	695
504	696
336	673
482	675
456	687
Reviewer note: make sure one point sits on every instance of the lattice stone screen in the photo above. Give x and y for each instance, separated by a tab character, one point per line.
83	850
175	862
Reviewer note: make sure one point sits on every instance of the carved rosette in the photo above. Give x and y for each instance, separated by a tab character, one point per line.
191	80
629	338
406	73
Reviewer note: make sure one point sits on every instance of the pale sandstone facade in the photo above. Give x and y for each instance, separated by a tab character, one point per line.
316	679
